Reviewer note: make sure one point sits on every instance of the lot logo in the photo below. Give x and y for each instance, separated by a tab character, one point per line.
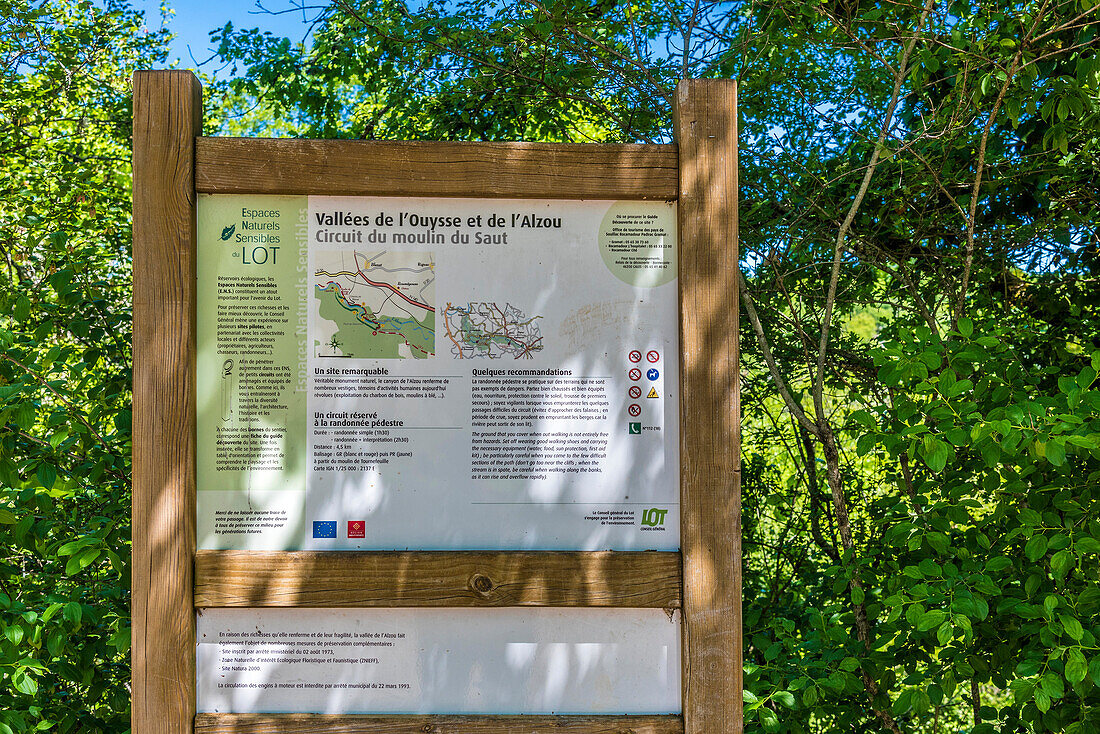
654	517
228	232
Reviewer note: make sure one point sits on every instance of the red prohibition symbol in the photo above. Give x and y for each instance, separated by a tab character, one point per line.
635	409
635	356
635	374
635	392
652	356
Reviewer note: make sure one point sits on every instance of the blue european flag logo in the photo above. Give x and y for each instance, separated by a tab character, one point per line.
324	528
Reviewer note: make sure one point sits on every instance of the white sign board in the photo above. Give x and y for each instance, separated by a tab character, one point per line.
488	661
437	374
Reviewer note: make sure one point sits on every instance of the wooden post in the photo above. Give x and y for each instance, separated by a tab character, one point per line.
167	118
710	406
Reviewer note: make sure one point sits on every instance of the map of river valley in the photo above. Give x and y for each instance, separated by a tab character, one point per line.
374	305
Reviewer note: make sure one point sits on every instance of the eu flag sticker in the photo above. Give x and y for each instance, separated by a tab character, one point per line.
324	528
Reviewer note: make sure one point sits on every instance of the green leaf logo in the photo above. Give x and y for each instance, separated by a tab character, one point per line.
228	232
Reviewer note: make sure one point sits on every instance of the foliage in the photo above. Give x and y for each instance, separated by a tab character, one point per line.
457	71
920	253
64	369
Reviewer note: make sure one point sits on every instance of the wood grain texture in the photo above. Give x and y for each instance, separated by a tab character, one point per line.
437	579
167	117
415	168
433	724
710	418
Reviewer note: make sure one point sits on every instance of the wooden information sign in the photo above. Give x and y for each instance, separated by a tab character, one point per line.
630	508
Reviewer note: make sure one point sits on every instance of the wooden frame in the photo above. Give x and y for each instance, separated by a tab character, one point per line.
172	162
437	579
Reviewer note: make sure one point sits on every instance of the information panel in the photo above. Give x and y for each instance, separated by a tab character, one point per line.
497	661
383	374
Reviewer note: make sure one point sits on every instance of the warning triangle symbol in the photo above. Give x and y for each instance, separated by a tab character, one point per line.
652	392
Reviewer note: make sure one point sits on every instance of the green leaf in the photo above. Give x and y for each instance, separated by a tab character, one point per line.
73	546
997	564
55	642
945	632
1027	668
1062	563
903	703
1094	670
768	719
966	327
1055	452
47	475
939	542
24	682
120	640
58	436
72	566
1050	603
73	612
88	556
1052	684
1072	627
935	453
930	619
22	308
786	698
1086	378
1036	548
929	567
1085	544
14	633
1076	667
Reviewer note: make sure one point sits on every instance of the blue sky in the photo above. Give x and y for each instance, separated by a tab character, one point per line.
193	20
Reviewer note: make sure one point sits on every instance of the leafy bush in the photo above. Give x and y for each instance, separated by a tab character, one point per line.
65	366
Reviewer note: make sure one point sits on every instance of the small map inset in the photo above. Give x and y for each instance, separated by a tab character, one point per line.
481	329
379	306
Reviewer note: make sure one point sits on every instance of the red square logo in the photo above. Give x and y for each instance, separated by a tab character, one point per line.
357	529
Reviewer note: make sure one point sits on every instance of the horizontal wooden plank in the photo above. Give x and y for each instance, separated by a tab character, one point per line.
437	579
433	724
416	168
